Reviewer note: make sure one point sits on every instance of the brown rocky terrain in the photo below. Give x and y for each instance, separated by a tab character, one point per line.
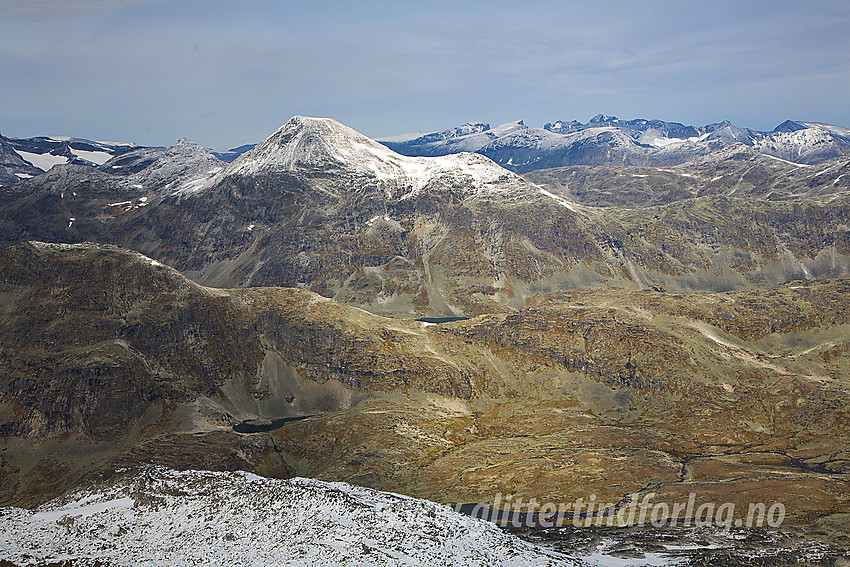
110	359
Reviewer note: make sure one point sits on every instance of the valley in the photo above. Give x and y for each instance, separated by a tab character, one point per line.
438	327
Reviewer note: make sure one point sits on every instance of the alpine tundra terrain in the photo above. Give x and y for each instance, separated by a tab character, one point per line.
110	358
688	334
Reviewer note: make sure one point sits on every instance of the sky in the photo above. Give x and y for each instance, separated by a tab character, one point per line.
229	72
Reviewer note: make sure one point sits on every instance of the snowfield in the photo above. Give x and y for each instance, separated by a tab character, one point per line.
42	161
164	517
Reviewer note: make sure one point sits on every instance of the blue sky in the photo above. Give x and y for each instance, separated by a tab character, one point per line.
228	72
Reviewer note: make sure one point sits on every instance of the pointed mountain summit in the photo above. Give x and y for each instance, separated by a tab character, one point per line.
308	143
789	126
602	119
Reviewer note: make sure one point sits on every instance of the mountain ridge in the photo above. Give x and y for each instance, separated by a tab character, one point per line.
39	154
606	140
513	145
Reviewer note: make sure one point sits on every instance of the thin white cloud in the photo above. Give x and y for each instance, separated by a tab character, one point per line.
225	72
41	10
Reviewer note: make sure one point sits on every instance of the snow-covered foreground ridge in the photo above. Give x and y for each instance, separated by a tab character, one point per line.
163	517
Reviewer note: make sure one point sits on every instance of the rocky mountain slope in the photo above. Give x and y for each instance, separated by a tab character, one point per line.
321	207
607	140
163	517
736	172
13	167
174	169
109	359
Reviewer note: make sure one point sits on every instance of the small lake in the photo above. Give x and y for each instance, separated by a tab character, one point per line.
262	426
438	320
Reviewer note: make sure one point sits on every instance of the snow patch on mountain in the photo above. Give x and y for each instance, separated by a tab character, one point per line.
560	200
164	517
410	136
96	157
42	161
786	161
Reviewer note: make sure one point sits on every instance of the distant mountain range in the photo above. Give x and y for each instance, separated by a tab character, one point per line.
22	158
603	140
607	140
321	206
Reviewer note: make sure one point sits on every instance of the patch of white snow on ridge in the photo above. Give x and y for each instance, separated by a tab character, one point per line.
602	556
164	517
122	144
508	128
398	138
62	245
42	161
99	158
80	509
560	200
662	142
786	161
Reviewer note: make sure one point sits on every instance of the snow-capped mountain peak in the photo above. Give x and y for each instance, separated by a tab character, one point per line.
317	145
307	143
602	118
789	126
